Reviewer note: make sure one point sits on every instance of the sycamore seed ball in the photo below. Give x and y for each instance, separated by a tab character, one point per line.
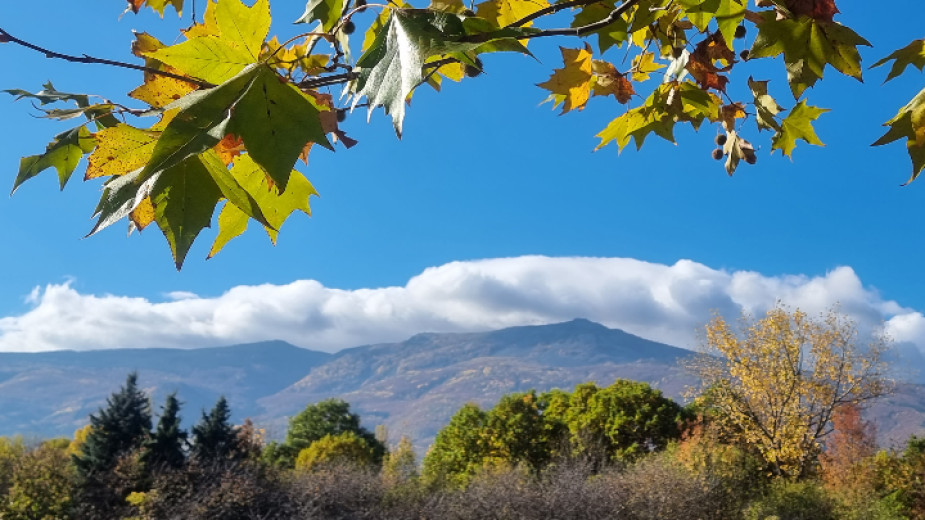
349	27
341	115
720	139
718	154
741	31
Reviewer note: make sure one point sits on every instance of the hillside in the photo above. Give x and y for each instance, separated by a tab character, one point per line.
412	387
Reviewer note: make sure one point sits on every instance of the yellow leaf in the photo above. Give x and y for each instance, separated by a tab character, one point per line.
120	150
209	25
143	214
643	65
160	91
572	81
506	12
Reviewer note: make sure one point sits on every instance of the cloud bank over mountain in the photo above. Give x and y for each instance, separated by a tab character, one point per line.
667	303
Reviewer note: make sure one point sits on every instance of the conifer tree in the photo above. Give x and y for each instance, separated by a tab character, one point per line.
167	445
116	430
214	438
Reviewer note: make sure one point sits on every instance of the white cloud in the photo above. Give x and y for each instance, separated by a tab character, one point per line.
668	303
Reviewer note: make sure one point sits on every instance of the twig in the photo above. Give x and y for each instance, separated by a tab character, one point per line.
585	29
555	8
328	80
7	37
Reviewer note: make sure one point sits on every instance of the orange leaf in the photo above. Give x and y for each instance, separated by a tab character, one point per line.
143	214
608	80
229	147
701	62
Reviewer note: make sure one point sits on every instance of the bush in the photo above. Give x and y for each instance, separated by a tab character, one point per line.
787	500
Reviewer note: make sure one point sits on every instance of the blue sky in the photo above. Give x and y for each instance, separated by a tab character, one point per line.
483	172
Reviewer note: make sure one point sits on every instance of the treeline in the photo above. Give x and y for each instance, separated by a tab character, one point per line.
624	451
775	432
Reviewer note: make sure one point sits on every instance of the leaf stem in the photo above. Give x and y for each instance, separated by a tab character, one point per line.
7	37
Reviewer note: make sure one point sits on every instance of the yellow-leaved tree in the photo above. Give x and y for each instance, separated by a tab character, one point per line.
773	384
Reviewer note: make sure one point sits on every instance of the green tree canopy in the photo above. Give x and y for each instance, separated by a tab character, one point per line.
331	417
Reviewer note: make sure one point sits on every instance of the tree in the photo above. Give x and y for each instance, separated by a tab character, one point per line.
232	110
620	422
42	484
343	448
166	448
214	437
777	382
458	450
117	430
330	417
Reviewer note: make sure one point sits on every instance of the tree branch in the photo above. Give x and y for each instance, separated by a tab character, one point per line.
585	29
7	37
555	8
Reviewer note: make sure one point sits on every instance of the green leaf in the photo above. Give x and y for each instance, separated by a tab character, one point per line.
808	45
766	107
276	121
909	122
325	11
912	54
236	194
391	68
184	199
121	195
63	154
275	206
612	35
727	13
658	115
797	125
201	123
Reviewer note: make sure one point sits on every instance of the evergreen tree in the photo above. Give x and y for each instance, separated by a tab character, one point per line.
214	438
121	427
167	446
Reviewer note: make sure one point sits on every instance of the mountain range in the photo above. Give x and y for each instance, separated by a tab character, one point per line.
412	387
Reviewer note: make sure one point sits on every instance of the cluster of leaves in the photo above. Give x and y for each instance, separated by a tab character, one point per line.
236	109
601	426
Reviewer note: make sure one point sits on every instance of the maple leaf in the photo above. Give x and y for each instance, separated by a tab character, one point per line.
121	149
184	198
572	83
63	154
229	147
797	125
328	12
156	5
808	45
909	122
505	12
701	64
643	65
275	206
765	105
231	39
614	34
608	80
391	67
727	13
912	54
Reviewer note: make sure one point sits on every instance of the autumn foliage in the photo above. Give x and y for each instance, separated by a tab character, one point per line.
225	111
